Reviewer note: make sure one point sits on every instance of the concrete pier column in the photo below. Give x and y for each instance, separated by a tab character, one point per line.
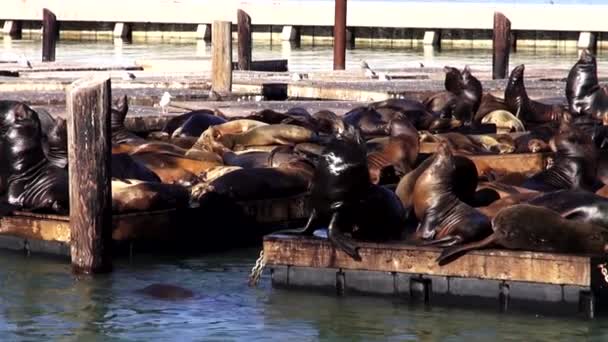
431	38
203	31
12	28
290	34
587	40
122	31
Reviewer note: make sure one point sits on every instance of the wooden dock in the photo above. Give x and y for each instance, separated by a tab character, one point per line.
509	279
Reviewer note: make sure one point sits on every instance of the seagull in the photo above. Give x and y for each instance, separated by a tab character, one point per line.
368	71
296	77
24	62
383	76
214	96
164	102
128	76
421	65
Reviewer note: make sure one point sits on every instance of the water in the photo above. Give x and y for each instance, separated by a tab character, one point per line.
40	300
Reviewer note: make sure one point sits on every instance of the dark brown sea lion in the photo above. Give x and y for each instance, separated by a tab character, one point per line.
166	292
132	196
489	103
414	111
537	229
444	218
328	122
368	121
583	92
494	208
196	124
57	141
574	166
179	120
125	167
575	205
529	111
120	134
34	184
262	183
437	102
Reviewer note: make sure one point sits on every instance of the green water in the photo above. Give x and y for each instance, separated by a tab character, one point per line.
40	300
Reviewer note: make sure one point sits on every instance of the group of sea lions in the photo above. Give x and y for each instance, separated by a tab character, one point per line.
365	173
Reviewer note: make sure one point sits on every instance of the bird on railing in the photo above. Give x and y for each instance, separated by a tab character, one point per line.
296	77
214	95
24	62
382	76
127	76
164	102
368	71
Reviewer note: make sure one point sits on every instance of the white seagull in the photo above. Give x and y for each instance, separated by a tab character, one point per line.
24	62
382	76
128	76
164	102
296	77
369	73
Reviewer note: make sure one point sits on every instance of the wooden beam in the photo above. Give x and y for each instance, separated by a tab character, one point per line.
340	35
89	154
244	40
501	46
221	60
524	266
50	34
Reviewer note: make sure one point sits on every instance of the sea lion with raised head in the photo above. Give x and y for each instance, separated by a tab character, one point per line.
537	229
445	219
120	134
584	94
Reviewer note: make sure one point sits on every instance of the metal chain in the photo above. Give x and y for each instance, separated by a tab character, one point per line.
257	270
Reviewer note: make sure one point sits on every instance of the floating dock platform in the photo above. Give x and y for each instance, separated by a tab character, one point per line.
511	280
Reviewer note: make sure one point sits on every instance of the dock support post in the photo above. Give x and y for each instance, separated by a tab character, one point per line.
203	32
290	34
431	38
587	304
420	289
513	41
50	34
89	155
503	297
221	60
12	28
122	31
587	40
340	35
501	45
244	40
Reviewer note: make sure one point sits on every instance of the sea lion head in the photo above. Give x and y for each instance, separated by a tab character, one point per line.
517	74
573	142
537	145
452	81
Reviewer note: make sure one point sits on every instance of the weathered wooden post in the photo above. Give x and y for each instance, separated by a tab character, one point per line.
50	34
221	60
501	46
340	35
89	154
244	40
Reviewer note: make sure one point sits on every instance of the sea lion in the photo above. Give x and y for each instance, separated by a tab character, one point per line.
574	166
175	122
489	103
437	102
505	121
34	184
172	168
467	91
131	195
400	152
529	111
125	167
537	229
368	121
494	208
444	218
120	134
57	141
196	124
166	292
414	111
575	205
328	122
583	92
262	183
217	171
279	134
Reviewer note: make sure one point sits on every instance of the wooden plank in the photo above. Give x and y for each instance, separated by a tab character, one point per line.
35	228
501	45
270	65
89	155
50	34
221	62
533	267
244	40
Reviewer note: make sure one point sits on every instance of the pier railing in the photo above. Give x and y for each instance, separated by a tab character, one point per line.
436	15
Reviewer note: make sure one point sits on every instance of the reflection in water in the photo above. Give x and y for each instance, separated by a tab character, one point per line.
40	300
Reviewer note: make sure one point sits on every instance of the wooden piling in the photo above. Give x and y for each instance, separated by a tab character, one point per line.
244	40
221	60
340	35
501	46
12	28
50	34
89	153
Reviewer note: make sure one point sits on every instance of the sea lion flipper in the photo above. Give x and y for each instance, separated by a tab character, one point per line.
307	230
341	241
452	253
